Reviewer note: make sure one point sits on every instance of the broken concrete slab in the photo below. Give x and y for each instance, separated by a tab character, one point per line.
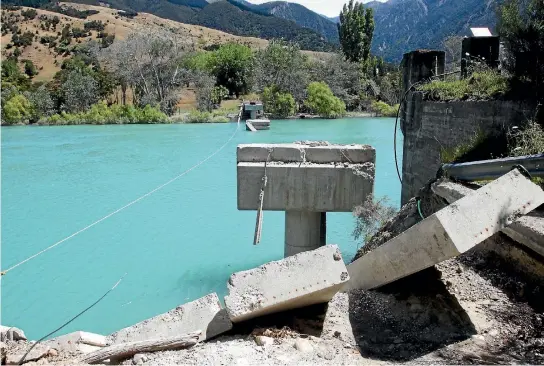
38	352
80	342
304	279
449	232
527	230
306	153
332	187
11	333
205	314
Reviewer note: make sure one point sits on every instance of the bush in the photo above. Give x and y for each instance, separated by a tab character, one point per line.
100	113
16	110
371	216
29	14
278	104
96	25
481	85
528	140
205	117
322	101
384	109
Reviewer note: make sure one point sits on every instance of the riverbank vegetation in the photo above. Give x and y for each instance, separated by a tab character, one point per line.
152	72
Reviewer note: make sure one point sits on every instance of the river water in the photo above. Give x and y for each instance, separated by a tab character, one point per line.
176	245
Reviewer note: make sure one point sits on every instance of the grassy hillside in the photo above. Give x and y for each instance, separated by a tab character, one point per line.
221	15
48	60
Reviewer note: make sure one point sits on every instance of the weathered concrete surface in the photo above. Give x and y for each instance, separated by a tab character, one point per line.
203	314
304	231
429	127
305	187
38	352
11	333
527	230
449	232
306	153
83	342
304	279
259	124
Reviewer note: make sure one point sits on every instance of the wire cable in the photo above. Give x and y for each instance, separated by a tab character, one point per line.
127	205
71	320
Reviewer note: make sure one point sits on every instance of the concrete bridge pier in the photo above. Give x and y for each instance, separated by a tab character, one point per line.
306	180
304	230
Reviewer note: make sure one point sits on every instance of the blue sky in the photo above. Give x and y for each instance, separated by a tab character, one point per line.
330	8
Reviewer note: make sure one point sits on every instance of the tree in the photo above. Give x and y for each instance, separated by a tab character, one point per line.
30	69
342	76
278	104
80	91
522	30
355	30
219	93
322	101
42	103
283	65
232	65
152	65
204	91
17	109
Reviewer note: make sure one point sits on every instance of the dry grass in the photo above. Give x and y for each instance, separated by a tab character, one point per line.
44	58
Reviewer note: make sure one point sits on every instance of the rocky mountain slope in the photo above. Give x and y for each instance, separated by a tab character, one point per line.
404	25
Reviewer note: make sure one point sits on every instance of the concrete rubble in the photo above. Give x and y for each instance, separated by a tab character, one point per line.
527	230
205	314
11	333
38	352
449	232
304	279
78	342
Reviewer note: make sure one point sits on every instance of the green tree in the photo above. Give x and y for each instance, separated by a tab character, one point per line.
30	69
278	104
232	66
282	64
322	101
522	30
17	109
355	29
219	93
80	91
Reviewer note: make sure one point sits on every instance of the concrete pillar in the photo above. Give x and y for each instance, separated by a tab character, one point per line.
421	64
304	231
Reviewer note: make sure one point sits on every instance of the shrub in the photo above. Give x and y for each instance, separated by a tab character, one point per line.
371	216
101	113
29	14
278	104
95	25
384	109
528	140
17	109
205	117
481	85
322	101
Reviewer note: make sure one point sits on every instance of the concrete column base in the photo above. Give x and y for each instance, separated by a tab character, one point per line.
304	231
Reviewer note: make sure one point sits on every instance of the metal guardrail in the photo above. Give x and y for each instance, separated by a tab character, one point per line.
492	169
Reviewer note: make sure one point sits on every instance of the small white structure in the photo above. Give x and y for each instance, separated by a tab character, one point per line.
481	32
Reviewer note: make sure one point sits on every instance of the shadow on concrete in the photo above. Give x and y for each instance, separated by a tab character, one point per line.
408	318
308	320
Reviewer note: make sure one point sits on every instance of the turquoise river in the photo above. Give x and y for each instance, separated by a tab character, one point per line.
178	244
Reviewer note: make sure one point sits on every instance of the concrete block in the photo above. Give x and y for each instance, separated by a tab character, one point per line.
203	314
527	230
11	333
259	124
449	232
83	342
305	187
306	152
304	279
